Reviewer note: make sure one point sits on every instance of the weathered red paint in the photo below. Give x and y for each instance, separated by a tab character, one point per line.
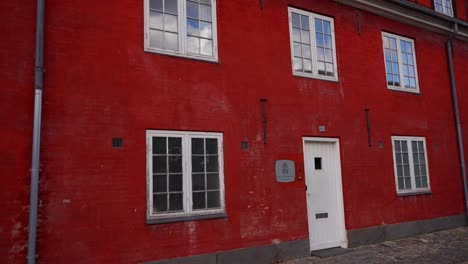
100	84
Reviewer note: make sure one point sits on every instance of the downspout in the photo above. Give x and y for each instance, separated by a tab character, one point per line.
453	87
38	83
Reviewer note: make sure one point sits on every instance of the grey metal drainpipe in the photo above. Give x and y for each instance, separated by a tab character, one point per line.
453	87
38	83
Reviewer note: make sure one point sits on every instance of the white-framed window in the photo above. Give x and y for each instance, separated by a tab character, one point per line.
444	7
410	164
184	175
400	63
185	28
313	50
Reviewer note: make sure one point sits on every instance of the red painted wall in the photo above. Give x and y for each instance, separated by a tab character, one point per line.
16	109
100	84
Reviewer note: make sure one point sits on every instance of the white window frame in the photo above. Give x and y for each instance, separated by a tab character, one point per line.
444	10
182	33
187	212
413	189
400	64
312	17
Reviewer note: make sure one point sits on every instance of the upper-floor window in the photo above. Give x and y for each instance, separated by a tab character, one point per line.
410	161
185	175
400	63
313	48
444	6
184	28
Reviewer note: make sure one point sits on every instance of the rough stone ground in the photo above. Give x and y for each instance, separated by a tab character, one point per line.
450	246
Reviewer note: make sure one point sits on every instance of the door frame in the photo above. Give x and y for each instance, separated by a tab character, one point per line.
343	240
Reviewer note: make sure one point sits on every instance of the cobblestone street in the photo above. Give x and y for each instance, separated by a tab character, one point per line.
449	246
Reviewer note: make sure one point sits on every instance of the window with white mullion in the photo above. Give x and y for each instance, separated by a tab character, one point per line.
185	174
444	6
400	63
410	160
181	28
312	45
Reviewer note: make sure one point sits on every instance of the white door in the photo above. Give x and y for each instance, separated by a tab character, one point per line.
324	193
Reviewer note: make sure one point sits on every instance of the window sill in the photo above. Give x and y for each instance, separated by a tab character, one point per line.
152	221
415	193
405	90
317	77
185	56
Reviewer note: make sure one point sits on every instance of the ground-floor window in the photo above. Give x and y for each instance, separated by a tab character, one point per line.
410	164
185	174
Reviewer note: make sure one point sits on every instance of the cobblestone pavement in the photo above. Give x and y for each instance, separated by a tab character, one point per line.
450	246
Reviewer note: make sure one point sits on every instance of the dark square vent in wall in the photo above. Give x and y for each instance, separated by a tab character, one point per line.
117	142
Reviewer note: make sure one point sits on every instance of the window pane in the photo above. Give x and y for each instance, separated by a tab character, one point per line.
401	184
192	9
197	146
159	164
156	20
206	47
211	146
307	66
327	27
404	146
175	202
175	182
319	40
305	35
208	2
212	181
193	45
175	164
170	41
399	170
170	6
198	164
321	54
213	199
407	183
205	12
328	42
159	145
318	25
212	164
328	55
160	202
418	182
297	49
306	51
297	64
305	22
160	183
296	20
198	182
296	35
321	68
156	39
192	27
424	182
156	4
205	30
199	200
170	23
175	145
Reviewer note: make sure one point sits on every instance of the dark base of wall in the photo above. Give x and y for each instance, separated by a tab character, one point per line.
377	234
259	255
300	248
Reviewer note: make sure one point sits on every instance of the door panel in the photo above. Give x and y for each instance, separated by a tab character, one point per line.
324	194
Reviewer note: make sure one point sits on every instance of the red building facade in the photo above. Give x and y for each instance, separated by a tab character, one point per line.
115	96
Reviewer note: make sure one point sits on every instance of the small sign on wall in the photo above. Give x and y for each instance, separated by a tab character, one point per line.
285	171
